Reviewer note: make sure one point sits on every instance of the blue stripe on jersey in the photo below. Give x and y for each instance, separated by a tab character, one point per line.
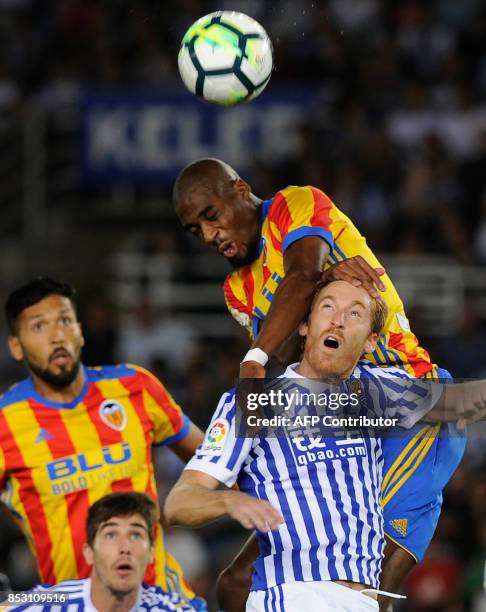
284	504
247	484
180	435
325	513
369	514
258	312
376	479
304	506
344	523
281	598
265	601
355	512
265	541
340	252
255	325
388	351
332	257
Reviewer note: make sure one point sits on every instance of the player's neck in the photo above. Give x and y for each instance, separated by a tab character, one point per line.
62	396
104	600
306	370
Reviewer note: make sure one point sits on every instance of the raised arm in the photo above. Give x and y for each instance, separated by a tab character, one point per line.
303	263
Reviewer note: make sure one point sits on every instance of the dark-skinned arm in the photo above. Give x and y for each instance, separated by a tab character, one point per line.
186	447
303	264
463	403
234	582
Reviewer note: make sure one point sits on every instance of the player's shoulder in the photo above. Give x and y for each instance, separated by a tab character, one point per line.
287	194
109	372
367	369
18	392
226	407
155	598
121	370
66	585
73	587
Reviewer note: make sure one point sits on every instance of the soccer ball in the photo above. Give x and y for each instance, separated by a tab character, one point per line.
226	58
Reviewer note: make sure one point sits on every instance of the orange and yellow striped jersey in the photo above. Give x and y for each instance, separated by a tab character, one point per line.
292	214
58	459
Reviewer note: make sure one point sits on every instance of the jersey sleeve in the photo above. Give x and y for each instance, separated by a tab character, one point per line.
408	399
222	453
297	212
234	297
170	424
3	475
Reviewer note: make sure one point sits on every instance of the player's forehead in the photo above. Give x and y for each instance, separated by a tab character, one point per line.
124	522
199	200
344	293
51	305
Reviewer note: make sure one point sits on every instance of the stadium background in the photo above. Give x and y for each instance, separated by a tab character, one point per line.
382	104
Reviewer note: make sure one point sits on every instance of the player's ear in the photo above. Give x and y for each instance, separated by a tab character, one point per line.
81	332
88	554
242	188
152	554
15	348
303	329
371	343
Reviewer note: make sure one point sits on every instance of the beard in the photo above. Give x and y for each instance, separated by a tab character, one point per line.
58	381
250	256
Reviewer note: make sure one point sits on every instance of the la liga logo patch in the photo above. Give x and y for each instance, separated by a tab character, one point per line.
113	414
216	438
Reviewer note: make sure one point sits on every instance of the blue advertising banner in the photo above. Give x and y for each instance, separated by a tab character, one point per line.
147	138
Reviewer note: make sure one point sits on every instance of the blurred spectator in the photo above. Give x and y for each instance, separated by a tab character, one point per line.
145	337
100	333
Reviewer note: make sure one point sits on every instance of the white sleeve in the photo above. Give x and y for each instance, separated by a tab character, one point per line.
222	453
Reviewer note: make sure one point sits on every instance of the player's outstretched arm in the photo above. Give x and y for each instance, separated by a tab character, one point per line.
194	501
463	403
303	263
186	447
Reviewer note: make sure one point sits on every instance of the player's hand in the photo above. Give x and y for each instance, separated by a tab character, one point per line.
461	403
472	405
252	375
359	273
251	369
252	513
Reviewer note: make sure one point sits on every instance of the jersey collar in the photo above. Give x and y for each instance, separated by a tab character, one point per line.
32	393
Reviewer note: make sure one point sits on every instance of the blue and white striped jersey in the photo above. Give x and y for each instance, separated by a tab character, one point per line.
327	489
77	592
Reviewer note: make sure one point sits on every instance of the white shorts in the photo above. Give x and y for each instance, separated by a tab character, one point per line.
309	597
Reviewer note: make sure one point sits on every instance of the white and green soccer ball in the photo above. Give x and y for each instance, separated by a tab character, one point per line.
226	58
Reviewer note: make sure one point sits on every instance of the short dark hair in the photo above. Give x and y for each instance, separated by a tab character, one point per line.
121	504
31	293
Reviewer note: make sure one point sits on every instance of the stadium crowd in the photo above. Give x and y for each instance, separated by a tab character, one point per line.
398	141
